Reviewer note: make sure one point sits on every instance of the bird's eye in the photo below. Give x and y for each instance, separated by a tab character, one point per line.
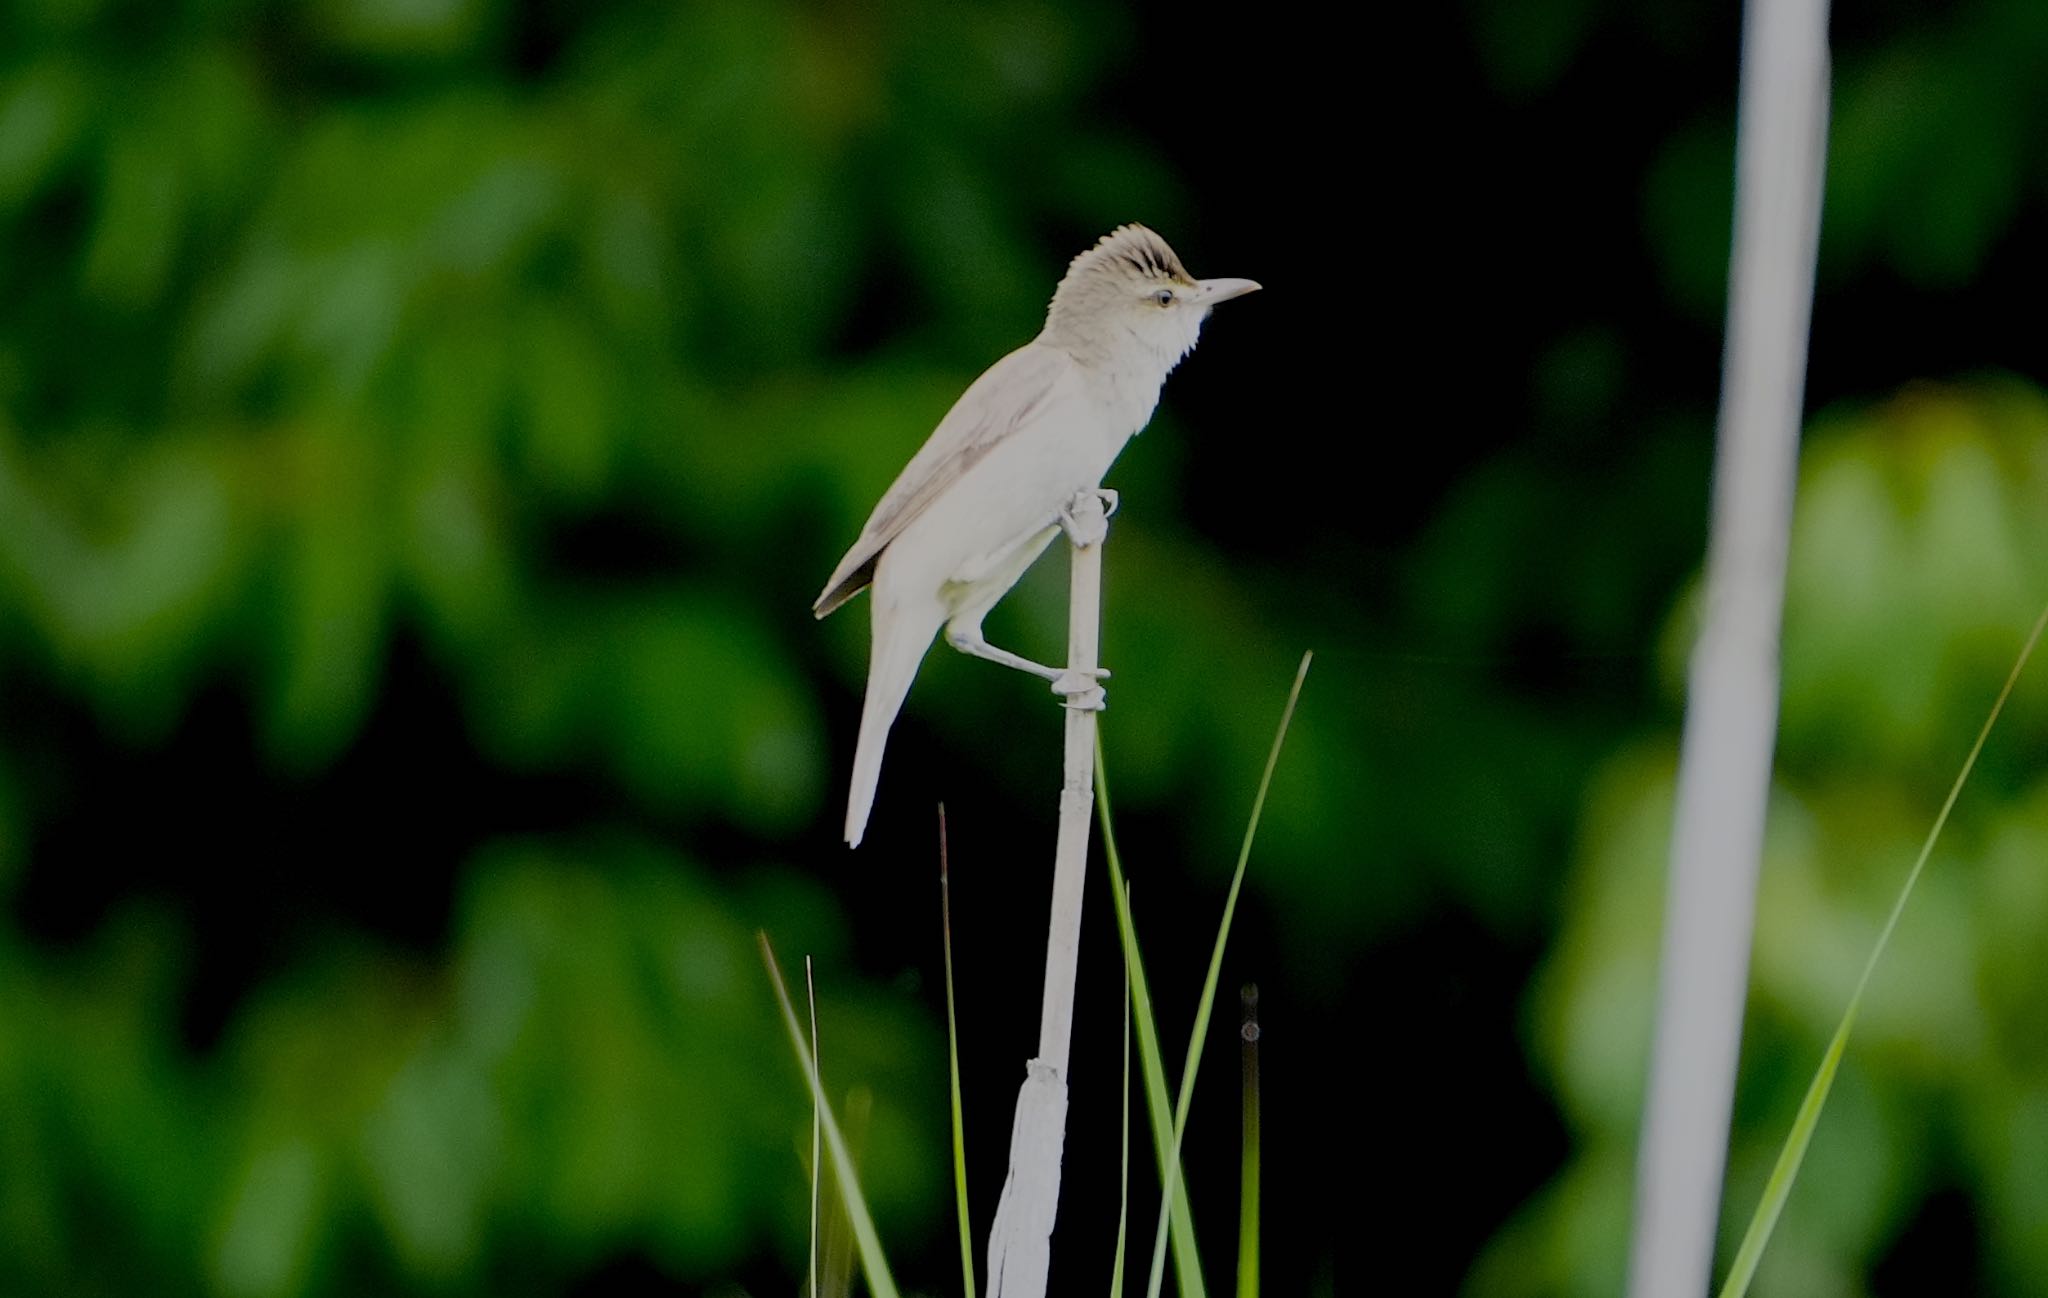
1163	297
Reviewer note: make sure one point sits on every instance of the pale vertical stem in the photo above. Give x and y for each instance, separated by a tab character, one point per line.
1732	694
1019	1244
1077	804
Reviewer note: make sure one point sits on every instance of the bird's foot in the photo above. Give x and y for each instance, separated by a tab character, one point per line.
1085	519
1082	691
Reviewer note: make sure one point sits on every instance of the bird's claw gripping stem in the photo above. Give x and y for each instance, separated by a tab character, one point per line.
1085	527
1082	690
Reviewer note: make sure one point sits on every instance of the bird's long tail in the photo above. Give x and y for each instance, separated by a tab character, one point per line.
900	641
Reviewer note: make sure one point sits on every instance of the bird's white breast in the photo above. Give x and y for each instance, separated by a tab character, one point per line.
1017	489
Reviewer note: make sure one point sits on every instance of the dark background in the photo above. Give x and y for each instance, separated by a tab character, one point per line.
424	426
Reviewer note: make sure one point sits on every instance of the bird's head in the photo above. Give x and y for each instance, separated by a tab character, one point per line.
1129	296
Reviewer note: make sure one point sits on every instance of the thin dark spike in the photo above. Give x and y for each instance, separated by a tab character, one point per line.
1248	1204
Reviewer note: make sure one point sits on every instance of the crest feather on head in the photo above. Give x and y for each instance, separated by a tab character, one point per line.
1135	249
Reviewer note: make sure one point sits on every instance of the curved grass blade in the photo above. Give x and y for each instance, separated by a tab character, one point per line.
1123	1204
817	1125
1151	1066
872	1261
1208	1001
1779	1188
953	1068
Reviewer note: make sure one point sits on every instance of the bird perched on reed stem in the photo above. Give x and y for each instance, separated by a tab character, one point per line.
991	486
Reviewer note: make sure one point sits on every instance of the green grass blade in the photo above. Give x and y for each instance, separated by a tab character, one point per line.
1248	1166
1779	1188
1208	1001
953	1068
1151	1066
817	1126
1123	1205
873	1263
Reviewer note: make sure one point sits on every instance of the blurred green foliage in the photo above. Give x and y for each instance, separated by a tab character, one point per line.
1915	535
538	360
321	326
587	1071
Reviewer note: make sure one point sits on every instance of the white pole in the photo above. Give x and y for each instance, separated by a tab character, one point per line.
1020	1241
1732	695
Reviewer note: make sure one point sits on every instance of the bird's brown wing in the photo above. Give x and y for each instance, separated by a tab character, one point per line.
1001	401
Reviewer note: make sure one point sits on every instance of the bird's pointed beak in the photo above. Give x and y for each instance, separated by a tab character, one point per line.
1209	292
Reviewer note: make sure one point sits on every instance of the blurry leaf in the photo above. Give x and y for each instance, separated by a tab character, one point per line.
1688	202
2007	1134
782	258
240	319
621	1019
274	1223
1527	47
488	225
1571	1239
402	27
1593	1000
101	1128
2010	977
328	651
454	548
979	67
631	271
230	142
347	306
1909	535
1875	136
348	325
1927	148
432	1151
860	430
703	702
1910	576
972	261
569	423
1962	189
42	108
686	699
123	566
141	216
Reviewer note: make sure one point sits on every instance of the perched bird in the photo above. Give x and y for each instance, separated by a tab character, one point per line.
992	485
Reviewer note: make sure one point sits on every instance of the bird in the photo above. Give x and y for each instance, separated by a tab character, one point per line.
992	485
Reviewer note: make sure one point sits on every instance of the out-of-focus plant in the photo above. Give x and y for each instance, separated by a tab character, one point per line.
516	336
588	1073
553	352
1914	534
